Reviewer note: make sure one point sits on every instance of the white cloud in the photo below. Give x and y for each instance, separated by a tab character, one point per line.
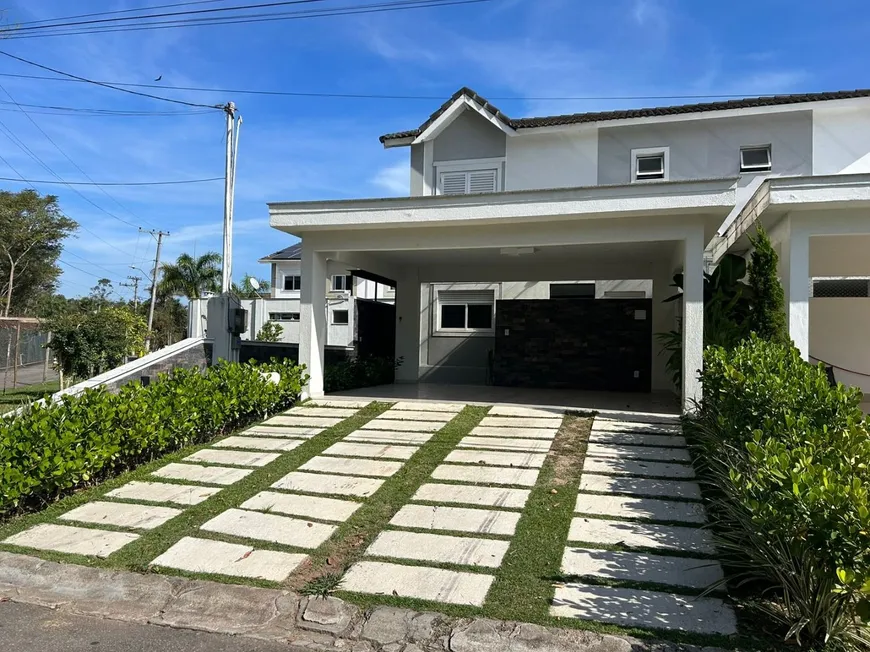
395	179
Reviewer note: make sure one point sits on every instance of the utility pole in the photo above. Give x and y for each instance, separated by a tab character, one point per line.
229	193
159	235
135	285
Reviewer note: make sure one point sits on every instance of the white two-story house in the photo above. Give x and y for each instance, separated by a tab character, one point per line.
502	209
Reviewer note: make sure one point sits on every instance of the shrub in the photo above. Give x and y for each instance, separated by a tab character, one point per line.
271	332
767	315
360	372
53	448
787	459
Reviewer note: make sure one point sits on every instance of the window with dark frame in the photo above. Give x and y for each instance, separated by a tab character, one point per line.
283	316
340	317
755	159
572	290
342	283
292	282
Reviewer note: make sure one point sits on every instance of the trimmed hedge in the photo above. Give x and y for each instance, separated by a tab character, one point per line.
787	459
367	371
54	448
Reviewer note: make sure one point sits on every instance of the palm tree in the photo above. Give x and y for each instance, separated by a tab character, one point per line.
190	277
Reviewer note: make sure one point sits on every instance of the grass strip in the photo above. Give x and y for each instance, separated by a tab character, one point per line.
15	398
355	535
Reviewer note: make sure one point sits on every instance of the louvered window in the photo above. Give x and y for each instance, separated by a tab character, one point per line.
465	182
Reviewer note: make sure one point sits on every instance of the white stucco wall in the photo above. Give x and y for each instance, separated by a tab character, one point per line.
840	255
841	141
555	160
285	268
838	336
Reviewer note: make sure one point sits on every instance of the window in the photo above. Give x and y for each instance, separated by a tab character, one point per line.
284	316
340	317
465	311
832	288
650	164
292	282
467	182
572	290
755	159
342	283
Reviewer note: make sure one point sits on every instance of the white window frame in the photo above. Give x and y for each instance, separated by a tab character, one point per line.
470	165
463	332
332	317
284	282
756	169
664	152
347	283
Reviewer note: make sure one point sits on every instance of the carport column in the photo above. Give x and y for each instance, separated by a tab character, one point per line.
693	317
312	326
796	283
408	325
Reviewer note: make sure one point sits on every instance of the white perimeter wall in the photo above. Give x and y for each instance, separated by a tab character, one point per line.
841	141
554	160
838	336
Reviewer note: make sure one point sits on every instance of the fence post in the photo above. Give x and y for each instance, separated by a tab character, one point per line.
17	352
47	357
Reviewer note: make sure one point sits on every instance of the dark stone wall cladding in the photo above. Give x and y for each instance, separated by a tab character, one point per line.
589	344
197	357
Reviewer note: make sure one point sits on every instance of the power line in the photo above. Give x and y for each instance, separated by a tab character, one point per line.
111	183
88	262
95	111
119	11
105	85
249	18
377	96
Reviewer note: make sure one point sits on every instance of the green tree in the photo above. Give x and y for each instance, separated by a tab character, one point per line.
191	277
767	299
271	332
246	289
32	230
170	321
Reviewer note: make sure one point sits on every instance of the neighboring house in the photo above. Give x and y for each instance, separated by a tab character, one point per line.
616	197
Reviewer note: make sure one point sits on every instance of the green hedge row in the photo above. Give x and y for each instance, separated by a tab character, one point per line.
787	458
51	449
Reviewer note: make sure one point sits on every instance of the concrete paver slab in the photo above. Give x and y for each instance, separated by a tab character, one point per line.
337	403
641	535
638	452
601	425
425	406
282	431
221	475
442	548
471	495
417	415
618	466
314	411
641	567
260	443
377	451
492	443
139	517
640	608
270	527
399	425
653	509
72	540
518	411
352	466
389	437
325	509
317	483
497	458
640	486
486	475
458	519
436	584
237	458
301	421
636	439
522	422
522	433
163	492
236	560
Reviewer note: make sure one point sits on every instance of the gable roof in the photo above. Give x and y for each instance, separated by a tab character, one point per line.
293	252
623	114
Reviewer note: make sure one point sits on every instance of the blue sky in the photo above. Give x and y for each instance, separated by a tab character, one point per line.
317	148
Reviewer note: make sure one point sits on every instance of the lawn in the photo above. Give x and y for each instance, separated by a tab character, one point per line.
13	398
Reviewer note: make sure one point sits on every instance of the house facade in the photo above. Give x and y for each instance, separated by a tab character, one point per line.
627	198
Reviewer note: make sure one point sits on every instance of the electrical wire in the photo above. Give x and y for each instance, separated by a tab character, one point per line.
88	262
119	11
102	112
111	183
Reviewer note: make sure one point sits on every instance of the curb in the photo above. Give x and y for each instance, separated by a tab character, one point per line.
305	623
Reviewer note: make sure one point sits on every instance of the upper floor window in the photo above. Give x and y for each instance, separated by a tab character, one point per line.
342	283
284	316
468	177
292	282
650	164
755	159
340	317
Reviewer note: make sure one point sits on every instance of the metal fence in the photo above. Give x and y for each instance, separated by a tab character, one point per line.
24	360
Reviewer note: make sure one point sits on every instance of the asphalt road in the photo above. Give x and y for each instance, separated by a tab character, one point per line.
25	628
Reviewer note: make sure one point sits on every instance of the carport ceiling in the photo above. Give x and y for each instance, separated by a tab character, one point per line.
593	253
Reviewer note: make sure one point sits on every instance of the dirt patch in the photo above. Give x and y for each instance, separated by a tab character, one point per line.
569	449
